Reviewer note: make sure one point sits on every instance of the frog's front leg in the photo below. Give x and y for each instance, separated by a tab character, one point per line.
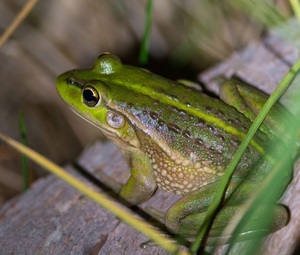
186	216
141	183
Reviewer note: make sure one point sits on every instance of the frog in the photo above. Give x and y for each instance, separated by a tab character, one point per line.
179	139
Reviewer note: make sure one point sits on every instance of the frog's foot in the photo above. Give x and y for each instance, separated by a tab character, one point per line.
159	224
171	238
151	243
176	239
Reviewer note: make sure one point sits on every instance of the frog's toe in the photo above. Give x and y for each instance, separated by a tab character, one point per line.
151	243
178	241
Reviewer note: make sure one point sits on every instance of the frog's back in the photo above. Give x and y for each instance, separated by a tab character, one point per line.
189	137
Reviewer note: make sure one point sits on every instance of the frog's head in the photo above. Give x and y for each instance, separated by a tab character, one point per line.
89	94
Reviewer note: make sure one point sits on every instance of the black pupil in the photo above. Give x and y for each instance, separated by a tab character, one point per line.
89	96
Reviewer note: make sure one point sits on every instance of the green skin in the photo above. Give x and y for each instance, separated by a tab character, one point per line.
177	139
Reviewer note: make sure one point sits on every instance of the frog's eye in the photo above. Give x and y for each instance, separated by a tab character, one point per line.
90	96
115	120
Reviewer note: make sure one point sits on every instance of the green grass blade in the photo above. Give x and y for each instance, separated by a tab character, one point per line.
25	168
144	53
296	8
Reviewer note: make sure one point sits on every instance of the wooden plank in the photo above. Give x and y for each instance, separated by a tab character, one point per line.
53	218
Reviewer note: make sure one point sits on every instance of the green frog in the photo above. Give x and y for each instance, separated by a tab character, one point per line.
178	139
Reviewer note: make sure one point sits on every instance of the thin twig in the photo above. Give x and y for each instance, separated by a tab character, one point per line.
17	20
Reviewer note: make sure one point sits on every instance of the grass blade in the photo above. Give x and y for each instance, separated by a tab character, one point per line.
144	53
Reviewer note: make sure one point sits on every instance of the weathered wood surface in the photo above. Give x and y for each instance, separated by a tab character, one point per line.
53	218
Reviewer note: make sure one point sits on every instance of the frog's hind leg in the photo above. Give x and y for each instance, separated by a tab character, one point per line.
249	101
243	97
187	215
